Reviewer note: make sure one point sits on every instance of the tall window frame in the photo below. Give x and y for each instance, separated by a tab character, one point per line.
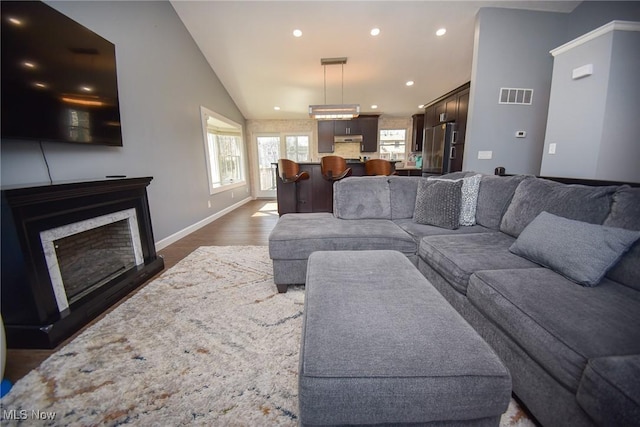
225	152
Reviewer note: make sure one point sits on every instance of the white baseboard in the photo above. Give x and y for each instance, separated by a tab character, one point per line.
161	244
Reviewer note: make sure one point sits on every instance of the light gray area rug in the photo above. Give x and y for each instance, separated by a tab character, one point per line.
209	342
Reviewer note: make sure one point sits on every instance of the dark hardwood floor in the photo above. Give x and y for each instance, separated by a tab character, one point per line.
249	224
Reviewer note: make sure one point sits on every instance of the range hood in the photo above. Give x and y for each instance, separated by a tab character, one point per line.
347	138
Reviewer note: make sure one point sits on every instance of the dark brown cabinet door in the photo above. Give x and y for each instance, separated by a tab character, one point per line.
325	136
430	117
417	134
347	127
369	132
463	108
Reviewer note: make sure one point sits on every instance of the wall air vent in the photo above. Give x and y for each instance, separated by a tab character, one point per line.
515	96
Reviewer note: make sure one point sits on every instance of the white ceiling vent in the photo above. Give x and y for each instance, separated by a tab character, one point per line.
515	96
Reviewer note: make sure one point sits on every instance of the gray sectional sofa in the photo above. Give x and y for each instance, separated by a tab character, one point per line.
548	275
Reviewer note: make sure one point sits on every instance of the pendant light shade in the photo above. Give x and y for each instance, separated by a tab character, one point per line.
333	111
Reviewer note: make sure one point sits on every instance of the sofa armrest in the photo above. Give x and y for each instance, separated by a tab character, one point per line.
609	390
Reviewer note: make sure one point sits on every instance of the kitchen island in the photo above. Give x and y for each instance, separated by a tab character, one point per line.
314	194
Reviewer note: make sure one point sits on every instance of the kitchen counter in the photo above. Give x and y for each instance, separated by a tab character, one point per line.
314	194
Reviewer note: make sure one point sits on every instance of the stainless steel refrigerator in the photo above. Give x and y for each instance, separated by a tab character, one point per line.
440	149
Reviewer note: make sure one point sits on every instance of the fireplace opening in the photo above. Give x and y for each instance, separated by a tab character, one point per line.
91	258
83	256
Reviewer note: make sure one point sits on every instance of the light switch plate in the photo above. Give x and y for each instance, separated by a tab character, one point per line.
552	148
485	155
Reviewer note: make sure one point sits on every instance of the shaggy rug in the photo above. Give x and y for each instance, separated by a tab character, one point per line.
209	342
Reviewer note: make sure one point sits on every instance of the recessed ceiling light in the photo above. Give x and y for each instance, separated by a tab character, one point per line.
29	64
374	106
276	108
40	85
297	33
14	21
441	32
409	83
86	88
375	31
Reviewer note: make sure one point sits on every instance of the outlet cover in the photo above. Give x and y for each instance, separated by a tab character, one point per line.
485	155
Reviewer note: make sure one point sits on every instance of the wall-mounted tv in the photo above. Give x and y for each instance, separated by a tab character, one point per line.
59	78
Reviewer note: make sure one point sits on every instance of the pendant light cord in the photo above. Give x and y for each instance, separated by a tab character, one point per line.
342	88
324	67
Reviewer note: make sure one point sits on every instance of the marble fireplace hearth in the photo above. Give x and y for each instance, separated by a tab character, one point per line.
69	251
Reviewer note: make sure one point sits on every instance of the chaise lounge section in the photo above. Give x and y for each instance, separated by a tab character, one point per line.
571	343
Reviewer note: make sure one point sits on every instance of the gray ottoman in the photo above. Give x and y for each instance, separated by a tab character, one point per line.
380	345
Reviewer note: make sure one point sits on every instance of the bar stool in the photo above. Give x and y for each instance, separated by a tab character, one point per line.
289	172
378	167
334	168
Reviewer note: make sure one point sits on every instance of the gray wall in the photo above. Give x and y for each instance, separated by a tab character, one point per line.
163	79
511	50
594	120
590	15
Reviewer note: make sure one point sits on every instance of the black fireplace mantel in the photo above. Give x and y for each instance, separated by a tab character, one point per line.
29	309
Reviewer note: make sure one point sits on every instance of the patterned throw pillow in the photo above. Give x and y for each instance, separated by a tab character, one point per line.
469	197
438	203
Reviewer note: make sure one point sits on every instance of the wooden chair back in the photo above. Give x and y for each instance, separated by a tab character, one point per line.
334	168
378	167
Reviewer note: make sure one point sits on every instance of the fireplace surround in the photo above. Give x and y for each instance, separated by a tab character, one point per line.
69	251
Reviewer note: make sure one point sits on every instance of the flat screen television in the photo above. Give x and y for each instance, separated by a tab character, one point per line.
59	78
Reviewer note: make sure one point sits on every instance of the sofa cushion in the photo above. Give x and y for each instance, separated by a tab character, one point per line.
362	197
296	236
560	325
418	231
438	203
580	251
579	202
494	195
403	195
469	197
610	390
456	257
625	213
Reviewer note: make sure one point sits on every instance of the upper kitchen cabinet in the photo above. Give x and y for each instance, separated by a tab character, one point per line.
325	136
367	126
417	133
369	132
346	127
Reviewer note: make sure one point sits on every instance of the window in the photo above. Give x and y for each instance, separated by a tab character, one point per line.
297	147
225	152
393	144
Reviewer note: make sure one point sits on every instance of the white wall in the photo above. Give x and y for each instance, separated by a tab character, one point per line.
163	79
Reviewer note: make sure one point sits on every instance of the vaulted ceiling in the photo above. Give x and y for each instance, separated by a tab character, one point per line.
251	47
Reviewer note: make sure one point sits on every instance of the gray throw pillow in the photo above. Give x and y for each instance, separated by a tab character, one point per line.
579	251
469	197
438	203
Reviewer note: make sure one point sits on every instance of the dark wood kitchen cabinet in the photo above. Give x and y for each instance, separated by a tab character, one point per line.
367	126
369	132
325	136
417	132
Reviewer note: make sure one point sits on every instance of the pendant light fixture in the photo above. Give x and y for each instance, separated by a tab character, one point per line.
333	111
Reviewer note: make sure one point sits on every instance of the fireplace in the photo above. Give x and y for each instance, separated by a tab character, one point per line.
69	251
